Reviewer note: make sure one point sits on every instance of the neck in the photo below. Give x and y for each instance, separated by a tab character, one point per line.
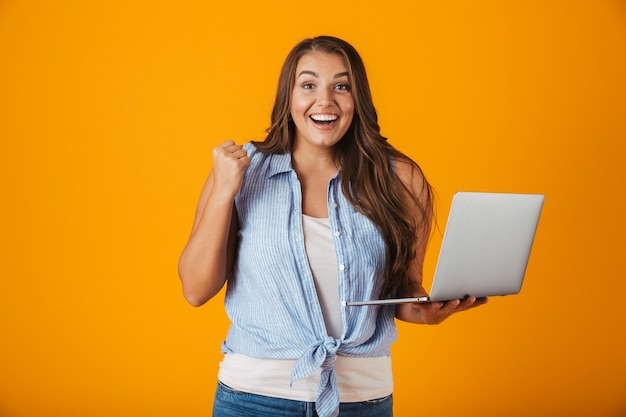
313	160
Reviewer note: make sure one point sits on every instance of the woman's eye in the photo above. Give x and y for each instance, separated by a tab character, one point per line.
343	87
308	86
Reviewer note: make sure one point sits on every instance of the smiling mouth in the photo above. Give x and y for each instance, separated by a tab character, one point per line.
324	119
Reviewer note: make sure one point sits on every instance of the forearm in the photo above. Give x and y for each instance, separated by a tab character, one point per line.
207	259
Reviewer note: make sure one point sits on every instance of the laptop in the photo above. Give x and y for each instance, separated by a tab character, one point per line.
485	249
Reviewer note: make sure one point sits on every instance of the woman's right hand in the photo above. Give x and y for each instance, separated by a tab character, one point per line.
229	164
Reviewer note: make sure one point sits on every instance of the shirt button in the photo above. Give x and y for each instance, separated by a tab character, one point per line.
334	205
337	234
342	267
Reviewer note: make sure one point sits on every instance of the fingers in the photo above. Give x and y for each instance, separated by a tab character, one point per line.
443	308
230	150
480	301
229	163
230	156
467	303
436	312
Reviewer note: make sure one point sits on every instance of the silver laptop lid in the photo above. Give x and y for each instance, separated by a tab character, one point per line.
486	245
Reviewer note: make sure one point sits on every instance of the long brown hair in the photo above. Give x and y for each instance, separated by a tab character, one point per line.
366	160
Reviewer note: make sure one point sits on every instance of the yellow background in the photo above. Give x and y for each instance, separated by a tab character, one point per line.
108	114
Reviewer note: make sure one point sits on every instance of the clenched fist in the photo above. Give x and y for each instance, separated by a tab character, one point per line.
229	164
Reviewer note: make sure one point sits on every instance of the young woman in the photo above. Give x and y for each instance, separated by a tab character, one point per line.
323	211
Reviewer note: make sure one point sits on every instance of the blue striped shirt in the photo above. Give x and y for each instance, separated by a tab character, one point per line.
271	298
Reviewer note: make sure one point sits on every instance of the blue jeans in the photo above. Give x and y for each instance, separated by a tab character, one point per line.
230	402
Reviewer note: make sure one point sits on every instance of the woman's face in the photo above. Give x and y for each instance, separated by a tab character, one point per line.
322	106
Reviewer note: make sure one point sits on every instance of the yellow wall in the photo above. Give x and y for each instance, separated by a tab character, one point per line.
109	111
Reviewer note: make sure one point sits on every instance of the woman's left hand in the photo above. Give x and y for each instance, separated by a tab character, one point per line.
436	312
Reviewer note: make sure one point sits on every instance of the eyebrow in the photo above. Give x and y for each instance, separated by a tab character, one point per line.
316	75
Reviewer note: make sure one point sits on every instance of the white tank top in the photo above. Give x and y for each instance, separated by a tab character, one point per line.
318	242
358	379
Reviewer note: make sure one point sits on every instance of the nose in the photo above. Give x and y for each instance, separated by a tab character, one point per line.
325	97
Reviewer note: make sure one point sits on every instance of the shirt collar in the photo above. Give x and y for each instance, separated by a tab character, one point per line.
279	163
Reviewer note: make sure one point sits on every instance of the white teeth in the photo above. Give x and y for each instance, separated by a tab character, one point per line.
324	117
